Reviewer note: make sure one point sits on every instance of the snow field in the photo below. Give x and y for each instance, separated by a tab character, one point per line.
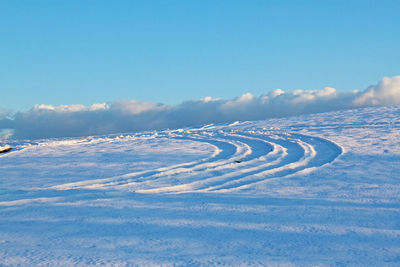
315	190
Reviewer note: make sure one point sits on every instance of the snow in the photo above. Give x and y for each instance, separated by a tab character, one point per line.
311	190
4	149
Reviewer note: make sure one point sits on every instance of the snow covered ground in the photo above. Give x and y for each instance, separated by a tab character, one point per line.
313	190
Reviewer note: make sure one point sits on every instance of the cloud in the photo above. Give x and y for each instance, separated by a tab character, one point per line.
133	107
70	108
44	121
386	92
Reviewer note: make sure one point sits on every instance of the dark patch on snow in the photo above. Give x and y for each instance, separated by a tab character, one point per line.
5	150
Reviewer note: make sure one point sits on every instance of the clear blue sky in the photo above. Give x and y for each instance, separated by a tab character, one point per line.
83	52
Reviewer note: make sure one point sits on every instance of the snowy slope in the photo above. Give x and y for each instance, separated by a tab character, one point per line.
318	189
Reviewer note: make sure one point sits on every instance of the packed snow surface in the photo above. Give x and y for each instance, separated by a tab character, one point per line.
313	190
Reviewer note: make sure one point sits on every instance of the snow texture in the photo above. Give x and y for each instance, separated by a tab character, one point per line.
311	190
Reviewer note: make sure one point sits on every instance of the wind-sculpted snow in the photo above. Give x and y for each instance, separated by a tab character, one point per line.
316	190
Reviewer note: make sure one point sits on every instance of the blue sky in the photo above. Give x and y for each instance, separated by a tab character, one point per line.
85	52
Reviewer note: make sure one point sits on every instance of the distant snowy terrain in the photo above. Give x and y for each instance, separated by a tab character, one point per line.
312	190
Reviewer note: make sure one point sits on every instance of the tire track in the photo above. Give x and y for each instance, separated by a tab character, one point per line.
296	153
240	160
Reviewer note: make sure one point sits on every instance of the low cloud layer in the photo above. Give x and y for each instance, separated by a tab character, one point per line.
44	121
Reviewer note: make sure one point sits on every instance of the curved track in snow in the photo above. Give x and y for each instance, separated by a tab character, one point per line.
241	160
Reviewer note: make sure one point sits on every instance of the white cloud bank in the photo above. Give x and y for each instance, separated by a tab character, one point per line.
45	121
